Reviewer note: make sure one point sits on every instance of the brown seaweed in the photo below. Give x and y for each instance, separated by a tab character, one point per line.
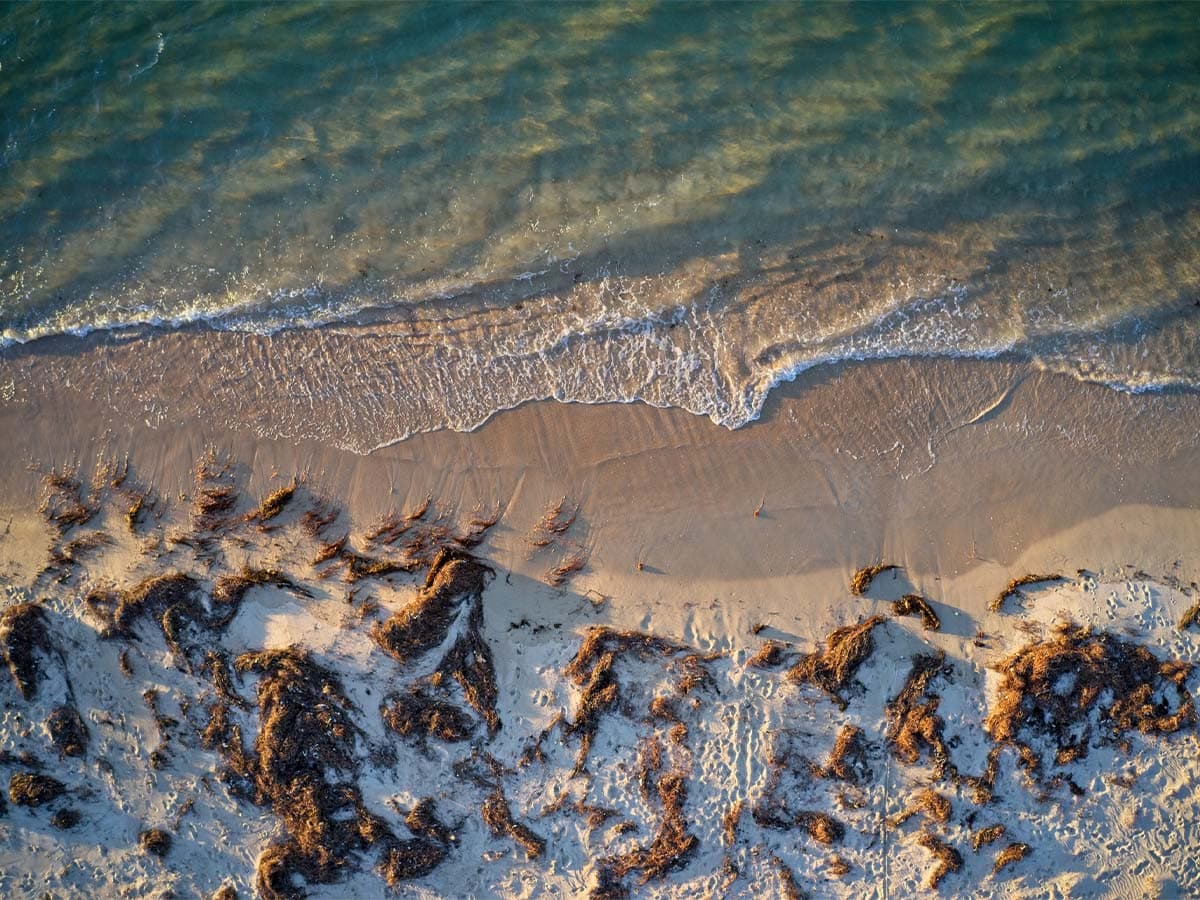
24	635
1010	855
67	731
1013	588
832	669
155	841
498	818
1052	689
34	789
671	845
916	605
948	859
860	582
914	725
848	759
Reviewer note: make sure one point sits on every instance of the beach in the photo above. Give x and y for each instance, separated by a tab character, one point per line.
601	449
968	475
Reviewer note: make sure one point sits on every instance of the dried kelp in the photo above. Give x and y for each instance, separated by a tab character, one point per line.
498	818
1010	856
848	759
34	789
155	841
913	723
860	582
916	605
985	836
831	669
1060	688
948	859
453	592
24	637
67	731
934	806
304	766
670	847
593	668
1013	588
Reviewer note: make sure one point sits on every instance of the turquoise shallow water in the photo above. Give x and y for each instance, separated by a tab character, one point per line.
459	207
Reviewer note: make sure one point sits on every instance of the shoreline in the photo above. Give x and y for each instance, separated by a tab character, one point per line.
940	463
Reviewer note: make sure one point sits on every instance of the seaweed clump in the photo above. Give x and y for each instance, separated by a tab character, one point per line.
933	805
916	605
230	590
34	789
24	634
915	726
418	855
63	502
453	591
498	818
948	859
593	668
155	841
832	669
304	767
1010	855
274	503
848	758
669	849
860	581
1050	689
771	655
67	732
987	835
418	713
1013	588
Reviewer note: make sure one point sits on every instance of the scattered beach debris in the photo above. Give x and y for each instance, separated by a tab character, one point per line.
1190	616
556	520
64	503
771	655
914	727
304	766
498	818
274	504
68	734
789	887
729	822
670	847
928	802
65	819
848	758
593	669
860	581
571	563
838	867
452	593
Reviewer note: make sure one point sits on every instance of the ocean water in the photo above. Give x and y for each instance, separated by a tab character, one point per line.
433	212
